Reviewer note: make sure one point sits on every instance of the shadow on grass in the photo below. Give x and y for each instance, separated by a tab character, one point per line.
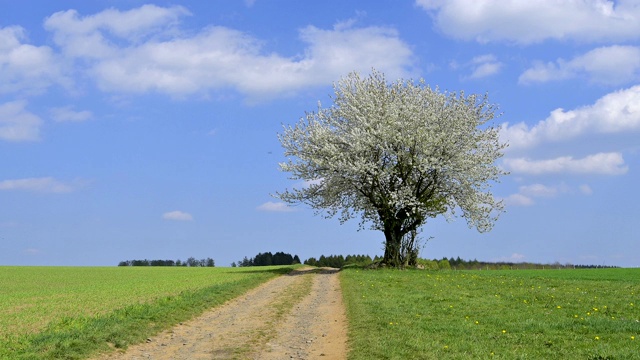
292	271
258	270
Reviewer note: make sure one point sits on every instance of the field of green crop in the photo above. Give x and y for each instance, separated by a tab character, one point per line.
69	312
520	314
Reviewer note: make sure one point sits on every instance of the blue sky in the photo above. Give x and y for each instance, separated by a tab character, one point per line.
136	130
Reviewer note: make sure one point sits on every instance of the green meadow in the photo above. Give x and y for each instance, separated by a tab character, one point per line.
72	312
510	314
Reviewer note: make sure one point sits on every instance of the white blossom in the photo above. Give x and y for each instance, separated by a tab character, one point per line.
396	154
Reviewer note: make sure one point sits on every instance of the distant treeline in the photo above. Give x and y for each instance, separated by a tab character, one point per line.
268	259
338	261
191	262
459	264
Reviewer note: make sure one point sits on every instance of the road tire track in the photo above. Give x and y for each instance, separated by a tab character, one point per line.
295	316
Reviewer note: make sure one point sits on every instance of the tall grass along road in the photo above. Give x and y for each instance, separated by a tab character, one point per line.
71	313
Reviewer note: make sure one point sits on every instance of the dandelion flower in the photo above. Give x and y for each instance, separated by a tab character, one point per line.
504	331
559	307
597	337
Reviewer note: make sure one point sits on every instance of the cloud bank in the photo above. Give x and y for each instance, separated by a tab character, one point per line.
601	163
616	112
527	22
143	50
611	65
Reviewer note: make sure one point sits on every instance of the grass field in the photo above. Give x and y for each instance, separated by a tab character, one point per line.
69	312
520	314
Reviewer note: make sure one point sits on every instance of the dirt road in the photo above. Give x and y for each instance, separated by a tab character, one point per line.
296	316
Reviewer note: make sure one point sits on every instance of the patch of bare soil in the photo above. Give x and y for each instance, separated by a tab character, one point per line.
296	316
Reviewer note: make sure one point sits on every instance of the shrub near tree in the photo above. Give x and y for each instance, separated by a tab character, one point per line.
396	155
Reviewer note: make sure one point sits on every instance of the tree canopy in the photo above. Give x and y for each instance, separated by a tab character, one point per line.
267	259
396	154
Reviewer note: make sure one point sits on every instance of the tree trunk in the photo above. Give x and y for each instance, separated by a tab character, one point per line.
400	248
393	244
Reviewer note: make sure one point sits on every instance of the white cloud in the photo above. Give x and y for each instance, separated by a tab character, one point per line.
275	207
484	66
177	216
534	21
515	257
95	36
527	193
518	200
24	67
586	189
601	163
613	113
18	124
612	65
540	190
42	185
67	114
152	55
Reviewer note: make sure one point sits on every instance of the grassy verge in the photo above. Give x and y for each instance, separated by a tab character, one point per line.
538	314
108	316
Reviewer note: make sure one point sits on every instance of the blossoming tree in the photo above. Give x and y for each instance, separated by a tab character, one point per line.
396	154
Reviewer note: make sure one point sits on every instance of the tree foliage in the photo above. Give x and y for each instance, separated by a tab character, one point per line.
395	155
208	262
267	258
338	261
